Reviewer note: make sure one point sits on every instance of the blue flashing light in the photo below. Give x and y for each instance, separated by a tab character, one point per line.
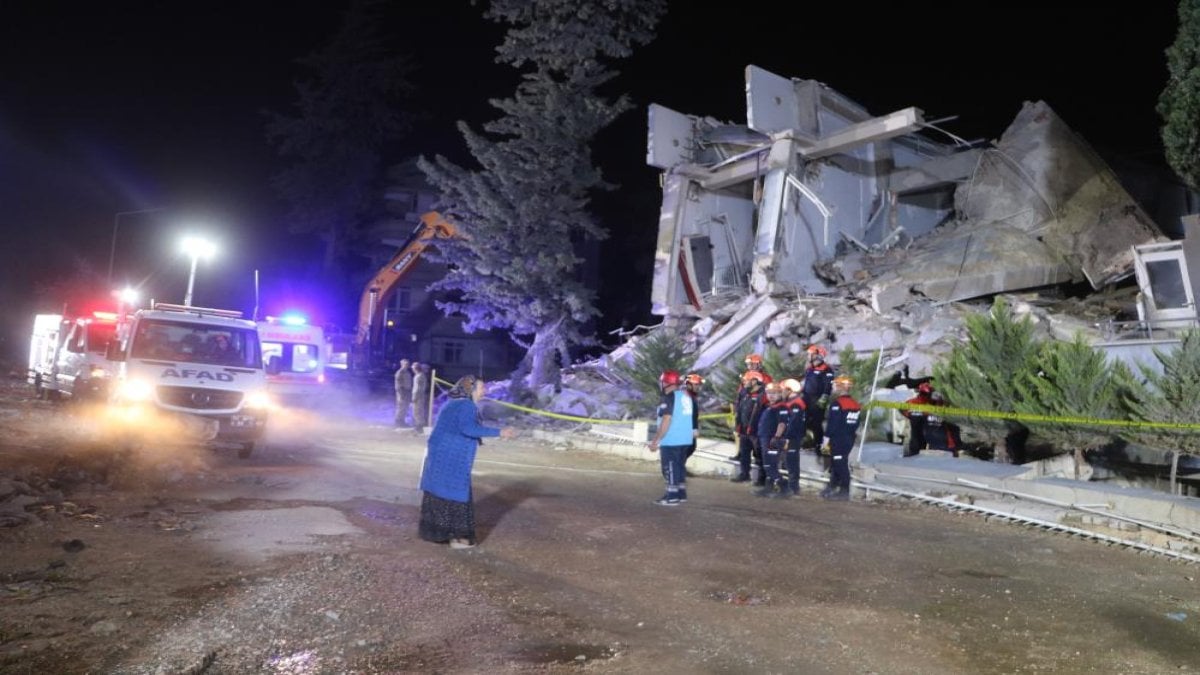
294	319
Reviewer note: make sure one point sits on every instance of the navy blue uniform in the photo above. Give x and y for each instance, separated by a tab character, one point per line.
841	427
792	413
768	420
817	385
749	409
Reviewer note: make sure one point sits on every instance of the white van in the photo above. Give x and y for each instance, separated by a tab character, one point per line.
202	367
67	355
294	357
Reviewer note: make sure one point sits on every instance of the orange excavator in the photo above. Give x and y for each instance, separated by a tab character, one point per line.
370	319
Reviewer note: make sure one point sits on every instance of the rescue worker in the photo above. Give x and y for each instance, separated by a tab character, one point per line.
771	441
792	419
675	413
818	383
692	384
840	429
940	433
421	387
746	416
916	420
754	364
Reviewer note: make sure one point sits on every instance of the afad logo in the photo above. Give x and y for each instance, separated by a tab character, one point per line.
189	374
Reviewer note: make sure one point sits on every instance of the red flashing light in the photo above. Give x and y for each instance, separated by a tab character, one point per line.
105	316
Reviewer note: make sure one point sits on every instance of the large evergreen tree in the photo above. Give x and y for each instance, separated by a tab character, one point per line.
526	209
347	110
1075	380
1171	396
1179	103
984	371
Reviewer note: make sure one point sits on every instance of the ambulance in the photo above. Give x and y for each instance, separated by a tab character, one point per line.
294	355
67	355
197	368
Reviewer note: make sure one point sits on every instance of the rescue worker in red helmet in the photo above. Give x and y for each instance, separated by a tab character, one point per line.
749	409
692	384
817	386
675	433
754	364
940	433
841	429
916	420
768	426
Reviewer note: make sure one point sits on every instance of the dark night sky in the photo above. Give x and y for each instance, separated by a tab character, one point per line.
108	107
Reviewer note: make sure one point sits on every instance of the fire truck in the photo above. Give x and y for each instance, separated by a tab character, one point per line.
67	355
199	368
294	354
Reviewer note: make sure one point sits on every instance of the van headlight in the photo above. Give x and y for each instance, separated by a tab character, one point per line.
137	391
98	373
258	399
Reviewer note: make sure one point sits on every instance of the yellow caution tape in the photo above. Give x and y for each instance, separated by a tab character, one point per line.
948	411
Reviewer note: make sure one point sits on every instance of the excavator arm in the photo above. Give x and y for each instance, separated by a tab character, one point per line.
432	226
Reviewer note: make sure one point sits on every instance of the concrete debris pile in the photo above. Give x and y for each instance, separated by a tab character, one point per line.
1039	209
30	500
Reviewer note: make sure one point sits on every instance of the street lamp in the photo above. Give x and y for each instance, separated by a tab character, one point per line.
112	253
196	248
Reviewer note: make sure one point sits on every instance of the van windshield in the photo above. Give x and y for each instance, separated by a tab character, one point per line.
99	335
196	343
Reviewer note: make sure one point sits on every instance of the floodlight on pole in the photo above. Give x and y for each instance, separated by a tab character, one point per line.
196	248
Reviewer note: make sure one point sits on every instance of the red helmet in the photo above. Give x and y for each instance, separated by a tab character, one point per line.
818	350
924	388
754	358
669	378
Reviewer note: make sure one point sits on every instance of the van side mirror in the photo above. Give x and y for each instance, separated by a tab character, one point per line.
113	351
274	365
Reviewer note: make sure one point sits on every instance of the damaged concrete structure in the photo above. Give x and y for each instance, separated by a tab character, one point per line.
814	196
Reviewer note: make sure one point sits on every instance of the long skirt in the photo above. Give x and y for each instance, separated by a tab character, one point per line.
443	519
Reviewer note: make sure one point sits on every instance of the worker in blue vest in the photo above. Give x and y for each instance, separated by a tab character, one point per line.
676	411
840	430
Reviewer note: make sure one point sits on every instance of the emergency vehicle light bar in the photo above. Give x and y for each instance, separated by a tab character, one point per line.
229	313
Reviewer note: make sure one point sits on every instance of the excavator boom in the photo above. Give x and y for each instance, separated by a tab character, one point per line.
432	226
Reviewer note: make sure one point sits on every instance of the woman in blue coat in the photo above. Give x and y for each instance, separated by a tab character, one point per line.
447	514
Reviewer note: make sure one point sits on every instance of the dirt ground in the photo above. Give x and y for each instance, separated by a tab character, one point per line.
304	559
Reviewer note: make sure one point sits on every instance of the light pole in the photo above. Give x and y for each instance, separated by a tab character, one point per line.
196	248
112	253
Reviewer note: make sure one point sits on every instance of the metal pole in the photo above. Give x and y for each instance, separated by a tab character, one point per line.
187	299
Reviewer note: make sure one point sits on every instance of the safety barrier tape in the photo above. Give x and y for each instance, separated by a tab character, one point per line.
949	411
944	411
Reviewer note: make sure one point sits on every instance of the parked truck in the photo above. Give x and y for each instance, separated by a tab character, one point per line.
201	368
67	356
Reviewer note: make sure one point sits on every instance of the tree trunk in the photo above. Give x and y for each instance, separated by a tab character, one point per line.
1000	452
1078	455
541	357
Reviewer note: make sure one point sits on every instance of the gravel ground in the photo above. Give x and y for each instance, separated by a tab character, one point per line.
304	559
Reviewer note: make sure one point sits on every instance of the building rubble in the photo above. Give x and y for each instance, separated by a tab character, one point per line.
819	222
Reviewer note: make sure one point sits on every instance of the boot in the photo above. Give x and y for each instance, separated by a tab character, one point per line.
740	479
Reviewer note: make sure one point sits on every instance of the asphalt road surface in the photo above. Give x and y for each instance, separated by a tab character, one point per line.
304	559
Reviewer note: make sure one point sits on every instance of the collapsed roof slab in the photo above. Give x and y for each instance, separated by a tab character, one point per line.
970	263
1044	179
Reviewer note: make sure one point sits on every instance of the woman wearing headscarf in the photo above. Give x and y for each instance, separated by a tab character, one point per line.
447	512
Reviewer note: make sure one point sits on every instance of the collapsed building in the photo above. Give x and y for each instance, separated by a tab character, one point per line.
817	221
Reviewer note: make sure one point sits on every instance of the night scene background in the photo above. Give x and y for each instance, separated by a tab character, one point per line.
110	108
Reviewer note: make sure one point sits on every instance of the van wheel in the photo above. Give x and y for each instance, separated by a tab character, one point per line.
245	449
38	390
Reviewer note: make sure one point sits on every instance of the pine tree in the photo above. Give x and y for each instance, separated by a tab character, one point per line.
526	209
1171	396
1075	380
1179	103
348	109
860	370
983	371
655	353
